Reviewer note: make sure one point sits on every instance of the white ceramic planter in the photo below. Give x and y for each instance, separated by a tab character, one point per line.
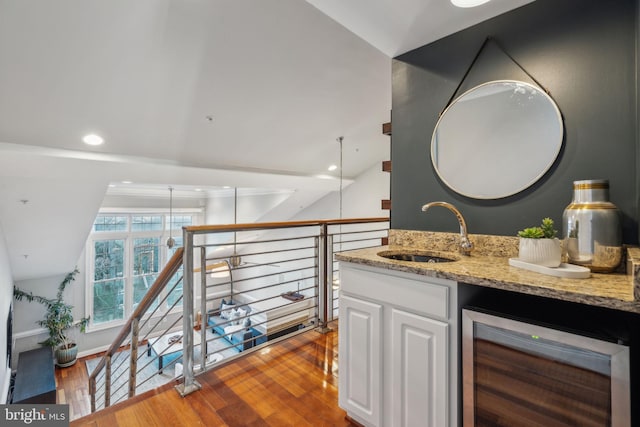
546	252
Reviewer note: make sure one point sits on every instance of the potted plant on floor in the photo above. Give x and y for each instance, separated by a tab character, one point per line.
58	320
539	245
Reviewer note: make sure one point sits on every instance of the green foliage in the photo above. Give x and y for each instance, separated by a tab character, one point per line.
544	231
58	317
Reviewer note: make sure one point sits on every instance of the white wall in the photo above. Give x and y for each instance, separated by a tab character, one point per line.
28	334
6	296
361	199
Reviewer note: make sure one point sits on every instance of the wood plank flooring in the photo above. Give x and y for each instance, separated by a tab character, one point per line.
73	387
290	383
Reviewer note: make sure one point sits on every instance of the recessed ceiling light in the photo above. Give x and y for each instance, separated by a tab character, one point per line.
197	189
332	168
468	3
93	139
127	182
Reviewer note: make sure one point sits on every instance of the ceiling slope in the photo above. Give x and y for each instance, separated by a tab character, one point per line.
197	92
398	26
208	83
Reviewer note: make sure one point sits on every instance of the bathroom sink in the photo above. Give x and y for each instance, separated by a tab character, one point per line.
414	256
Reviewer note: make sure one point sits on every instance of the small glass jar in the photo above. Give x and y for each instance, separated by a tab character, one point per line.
592	228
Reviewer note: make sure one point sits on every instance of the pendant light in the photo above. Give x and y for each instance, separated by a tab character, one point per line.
336	280
170	241
235	260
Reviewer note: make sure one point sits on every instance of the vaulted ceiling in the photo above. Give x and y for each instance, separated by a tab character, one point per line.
248	93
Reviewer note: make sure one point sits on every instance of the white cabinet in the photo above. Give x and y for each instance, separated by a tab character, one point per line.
397	348
418	370
360	369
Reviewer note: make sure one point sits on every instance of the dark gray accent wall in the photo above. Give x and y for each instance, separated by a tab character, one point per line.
584	53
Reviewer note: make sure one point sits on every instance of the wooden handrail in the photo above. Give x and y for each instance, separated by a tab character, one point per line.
199	229
154	291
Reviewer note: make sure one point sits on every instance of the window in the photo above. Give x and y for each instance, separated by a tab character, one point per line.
125	255
108	283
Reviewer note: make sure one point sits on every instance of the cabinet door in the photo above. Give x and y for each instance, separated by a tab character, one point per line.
419	371
360	359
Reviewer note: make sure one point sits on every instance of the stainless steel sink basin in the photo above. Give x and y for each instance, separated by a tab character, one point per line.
415	256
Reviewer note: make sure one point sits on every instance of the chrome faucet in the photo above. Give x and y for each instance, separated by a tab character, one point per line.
465	244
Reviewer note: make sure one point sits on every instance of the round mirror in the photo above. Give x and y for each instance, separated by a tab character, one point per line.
496	139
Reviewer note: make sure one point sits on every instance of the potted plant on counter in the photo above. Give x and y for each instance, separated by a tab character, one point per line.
539	245
58	320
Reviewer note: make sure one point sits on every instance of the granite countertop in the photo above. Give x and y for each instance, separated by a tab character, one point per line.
489	266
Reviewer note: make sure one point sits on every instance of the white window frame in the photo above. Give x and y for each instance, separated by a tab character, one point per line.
128	236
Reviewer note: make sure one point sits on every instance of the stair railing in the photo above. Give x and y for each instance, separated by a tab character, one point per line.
131	330
302	249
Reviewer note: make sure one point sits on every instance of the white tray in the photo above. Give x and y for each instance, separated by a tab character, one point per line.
570	271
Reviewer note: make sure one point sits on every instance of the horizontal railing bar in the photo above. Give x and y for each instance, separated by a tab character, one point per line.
200	229
244	279
343	232
148	318
101	395
279	251
246	267
261	288
262	264
287	239
249	279
119	360
359	247
160	319
238	292
209	299
245	243
370	233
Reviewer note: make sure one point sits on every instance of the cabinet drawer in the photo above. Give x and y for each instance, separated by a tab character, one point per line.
428	296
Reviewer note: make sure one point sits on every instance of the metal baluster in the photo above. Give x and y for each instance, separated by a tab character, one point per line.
203	307
329	279
92	392
107	381
323	279
190	384
133	357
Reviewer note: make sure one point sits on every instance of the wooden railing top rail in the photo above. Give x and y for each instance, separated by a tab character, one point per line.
201	229
165	275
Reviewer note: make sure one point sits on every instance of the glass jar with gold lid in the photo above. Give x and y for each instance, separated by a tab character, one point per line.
591	226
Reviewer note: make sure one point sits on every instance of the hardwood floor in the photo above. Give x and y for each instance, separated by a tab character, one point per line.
73	388
291	383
